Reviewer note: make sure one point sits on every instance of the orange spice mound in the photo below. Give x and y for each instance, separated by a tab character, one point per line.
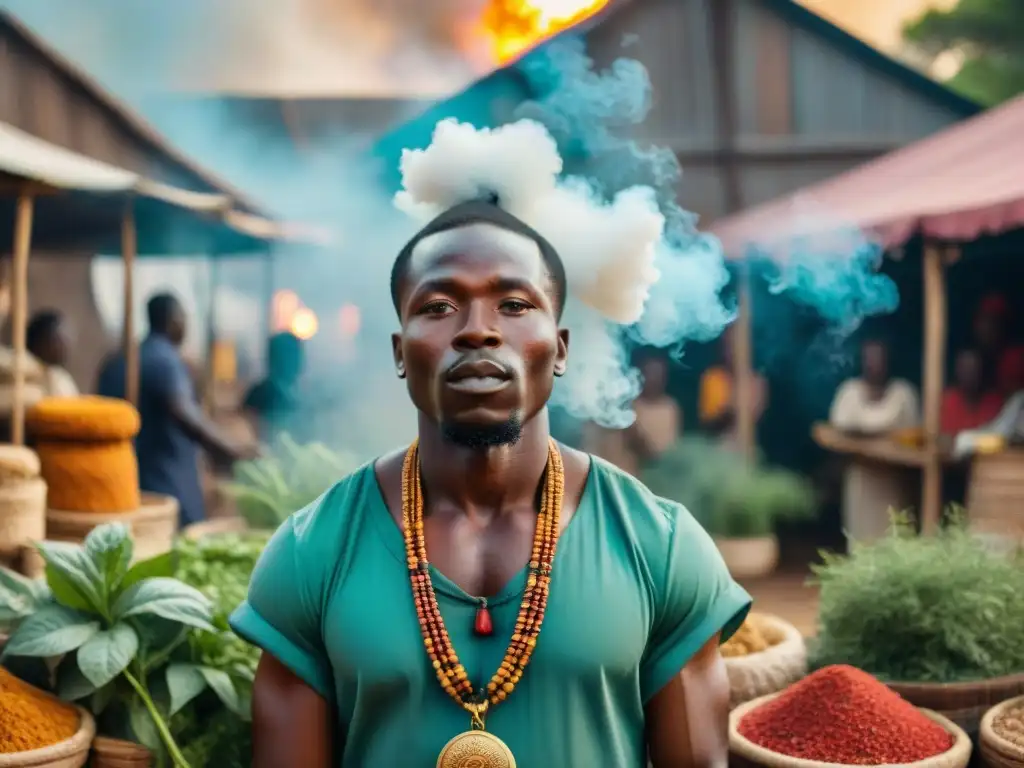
30	719
84	419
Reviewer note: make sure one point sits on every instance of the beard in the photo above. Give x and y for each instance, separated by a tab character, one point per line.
479	437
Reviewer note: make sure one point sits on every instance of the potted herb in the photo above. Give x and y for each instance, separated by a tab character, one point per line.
939	618
268	490
116	637
738	503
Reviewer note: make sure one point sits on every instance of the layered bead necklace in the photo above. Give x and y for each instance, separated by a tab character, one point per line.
477	748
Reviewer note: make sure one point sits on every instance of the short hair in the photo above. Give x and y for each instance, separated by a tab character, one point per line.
160	310
485	211
43	325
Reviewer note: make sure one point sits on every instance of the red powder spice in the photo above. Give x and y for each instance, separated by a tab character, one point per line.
843	715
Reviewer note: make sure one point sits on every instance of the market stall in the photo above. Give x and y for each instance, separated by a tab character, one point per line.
949	189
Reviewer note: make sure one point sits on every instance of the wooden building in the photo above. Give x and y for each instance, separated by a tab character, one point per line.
44	96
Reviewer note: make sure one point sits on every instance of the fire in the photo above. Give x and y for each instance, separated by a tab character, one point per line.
305	324
515	26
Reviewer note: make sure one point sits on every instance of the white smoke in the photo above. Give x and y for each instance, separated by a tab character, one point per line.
608	248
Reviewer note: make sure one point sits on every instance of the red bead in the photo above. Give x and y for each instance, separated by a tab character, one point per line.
483	625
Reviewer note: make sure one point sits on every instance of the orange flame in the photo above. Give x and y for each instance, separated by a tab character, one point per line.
515	26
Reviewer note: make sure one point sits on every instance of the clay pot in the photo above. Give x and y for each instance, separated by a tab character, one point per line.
115	753
749	558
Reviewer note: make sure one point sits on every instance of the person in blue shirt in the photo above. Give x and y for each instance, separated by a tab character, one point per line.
274	403
174	427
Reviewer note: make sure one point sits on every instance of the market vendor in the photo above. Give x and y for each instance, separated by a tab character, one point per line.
873	405
1003	358
658	424
273	404
718	407
969	403
48	339
174	426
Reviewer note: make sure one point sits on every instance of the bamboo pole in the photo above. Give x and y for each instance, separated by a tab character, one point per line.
129	250
934	365
19	311
209	398
743	369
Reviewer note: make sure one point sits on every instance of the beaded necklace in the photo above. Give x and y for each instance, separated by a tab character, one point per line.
476	747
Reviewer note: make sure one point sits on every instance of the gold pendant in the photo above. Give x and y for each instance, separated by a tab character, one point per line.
476	749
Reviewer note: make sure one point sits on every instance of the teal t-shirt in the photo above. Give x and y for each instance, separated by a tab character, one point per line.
637	588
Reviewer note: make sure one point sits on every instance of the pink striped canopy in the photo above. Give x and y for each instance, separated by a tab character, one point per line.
956	185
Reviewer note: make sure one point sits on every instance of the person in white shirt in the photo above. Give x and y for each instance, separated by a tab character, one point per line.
47	339
873	405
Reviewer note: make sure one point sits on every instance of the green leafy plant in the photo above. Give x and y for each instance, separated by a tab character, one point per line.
268	490
219	566
731	497
939	608
117	633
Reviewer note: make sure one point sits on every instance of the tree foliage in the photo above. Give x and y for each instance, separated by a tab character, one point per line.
989	34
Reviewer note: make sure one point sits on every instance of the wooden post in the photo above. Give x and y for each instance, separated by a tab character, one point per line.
209	398
19	311
129	250
743	368
934	365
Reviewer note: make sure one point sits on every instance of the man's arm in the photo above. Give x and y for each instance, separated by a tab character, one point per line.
291	723
197	425
687	721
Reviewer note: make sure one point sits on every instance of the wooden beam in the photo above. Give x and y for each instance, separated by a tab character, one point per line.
19	311
934	366
129	251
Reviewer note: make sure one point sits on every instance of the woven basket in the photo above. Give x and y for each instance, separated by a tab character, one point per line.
771	670
996	751
153	525
70	753
214	527
22	513
743	752
115	753
963	703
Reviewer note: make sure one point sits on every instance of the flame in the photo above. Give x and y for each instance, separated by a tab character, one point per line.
304	324
515	26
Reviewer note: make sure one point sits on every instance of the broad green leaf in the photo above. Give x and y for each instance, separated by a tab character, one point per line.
221	684
185	682
167	598
110	546
72	685
72	576
154	567
15	583
142	725
106	654
51	631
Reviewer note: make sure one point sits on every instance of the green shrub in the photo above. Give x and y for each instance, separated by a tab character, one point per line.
939	608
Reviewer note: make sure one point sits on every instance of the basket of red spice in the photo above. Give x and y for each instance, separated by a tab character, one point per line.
1002	735
840	715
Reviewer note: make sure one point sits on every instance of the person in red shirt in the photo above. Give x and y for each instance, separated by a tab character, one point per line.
1003	360
968	404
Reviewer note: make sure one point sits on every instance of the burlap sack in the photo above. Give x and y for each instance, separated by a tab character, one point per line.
997	751
768	671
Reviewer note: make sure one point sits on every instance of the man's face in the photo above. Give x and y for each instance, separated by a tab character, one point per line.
655	376
176	326
968	371
875	363
480	344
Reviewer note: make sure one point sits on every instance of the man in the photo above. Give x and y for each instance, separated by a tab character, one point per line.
873	405
174	427
968	404
47	339
273	404
657	426
717	398
356	671
1003	360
